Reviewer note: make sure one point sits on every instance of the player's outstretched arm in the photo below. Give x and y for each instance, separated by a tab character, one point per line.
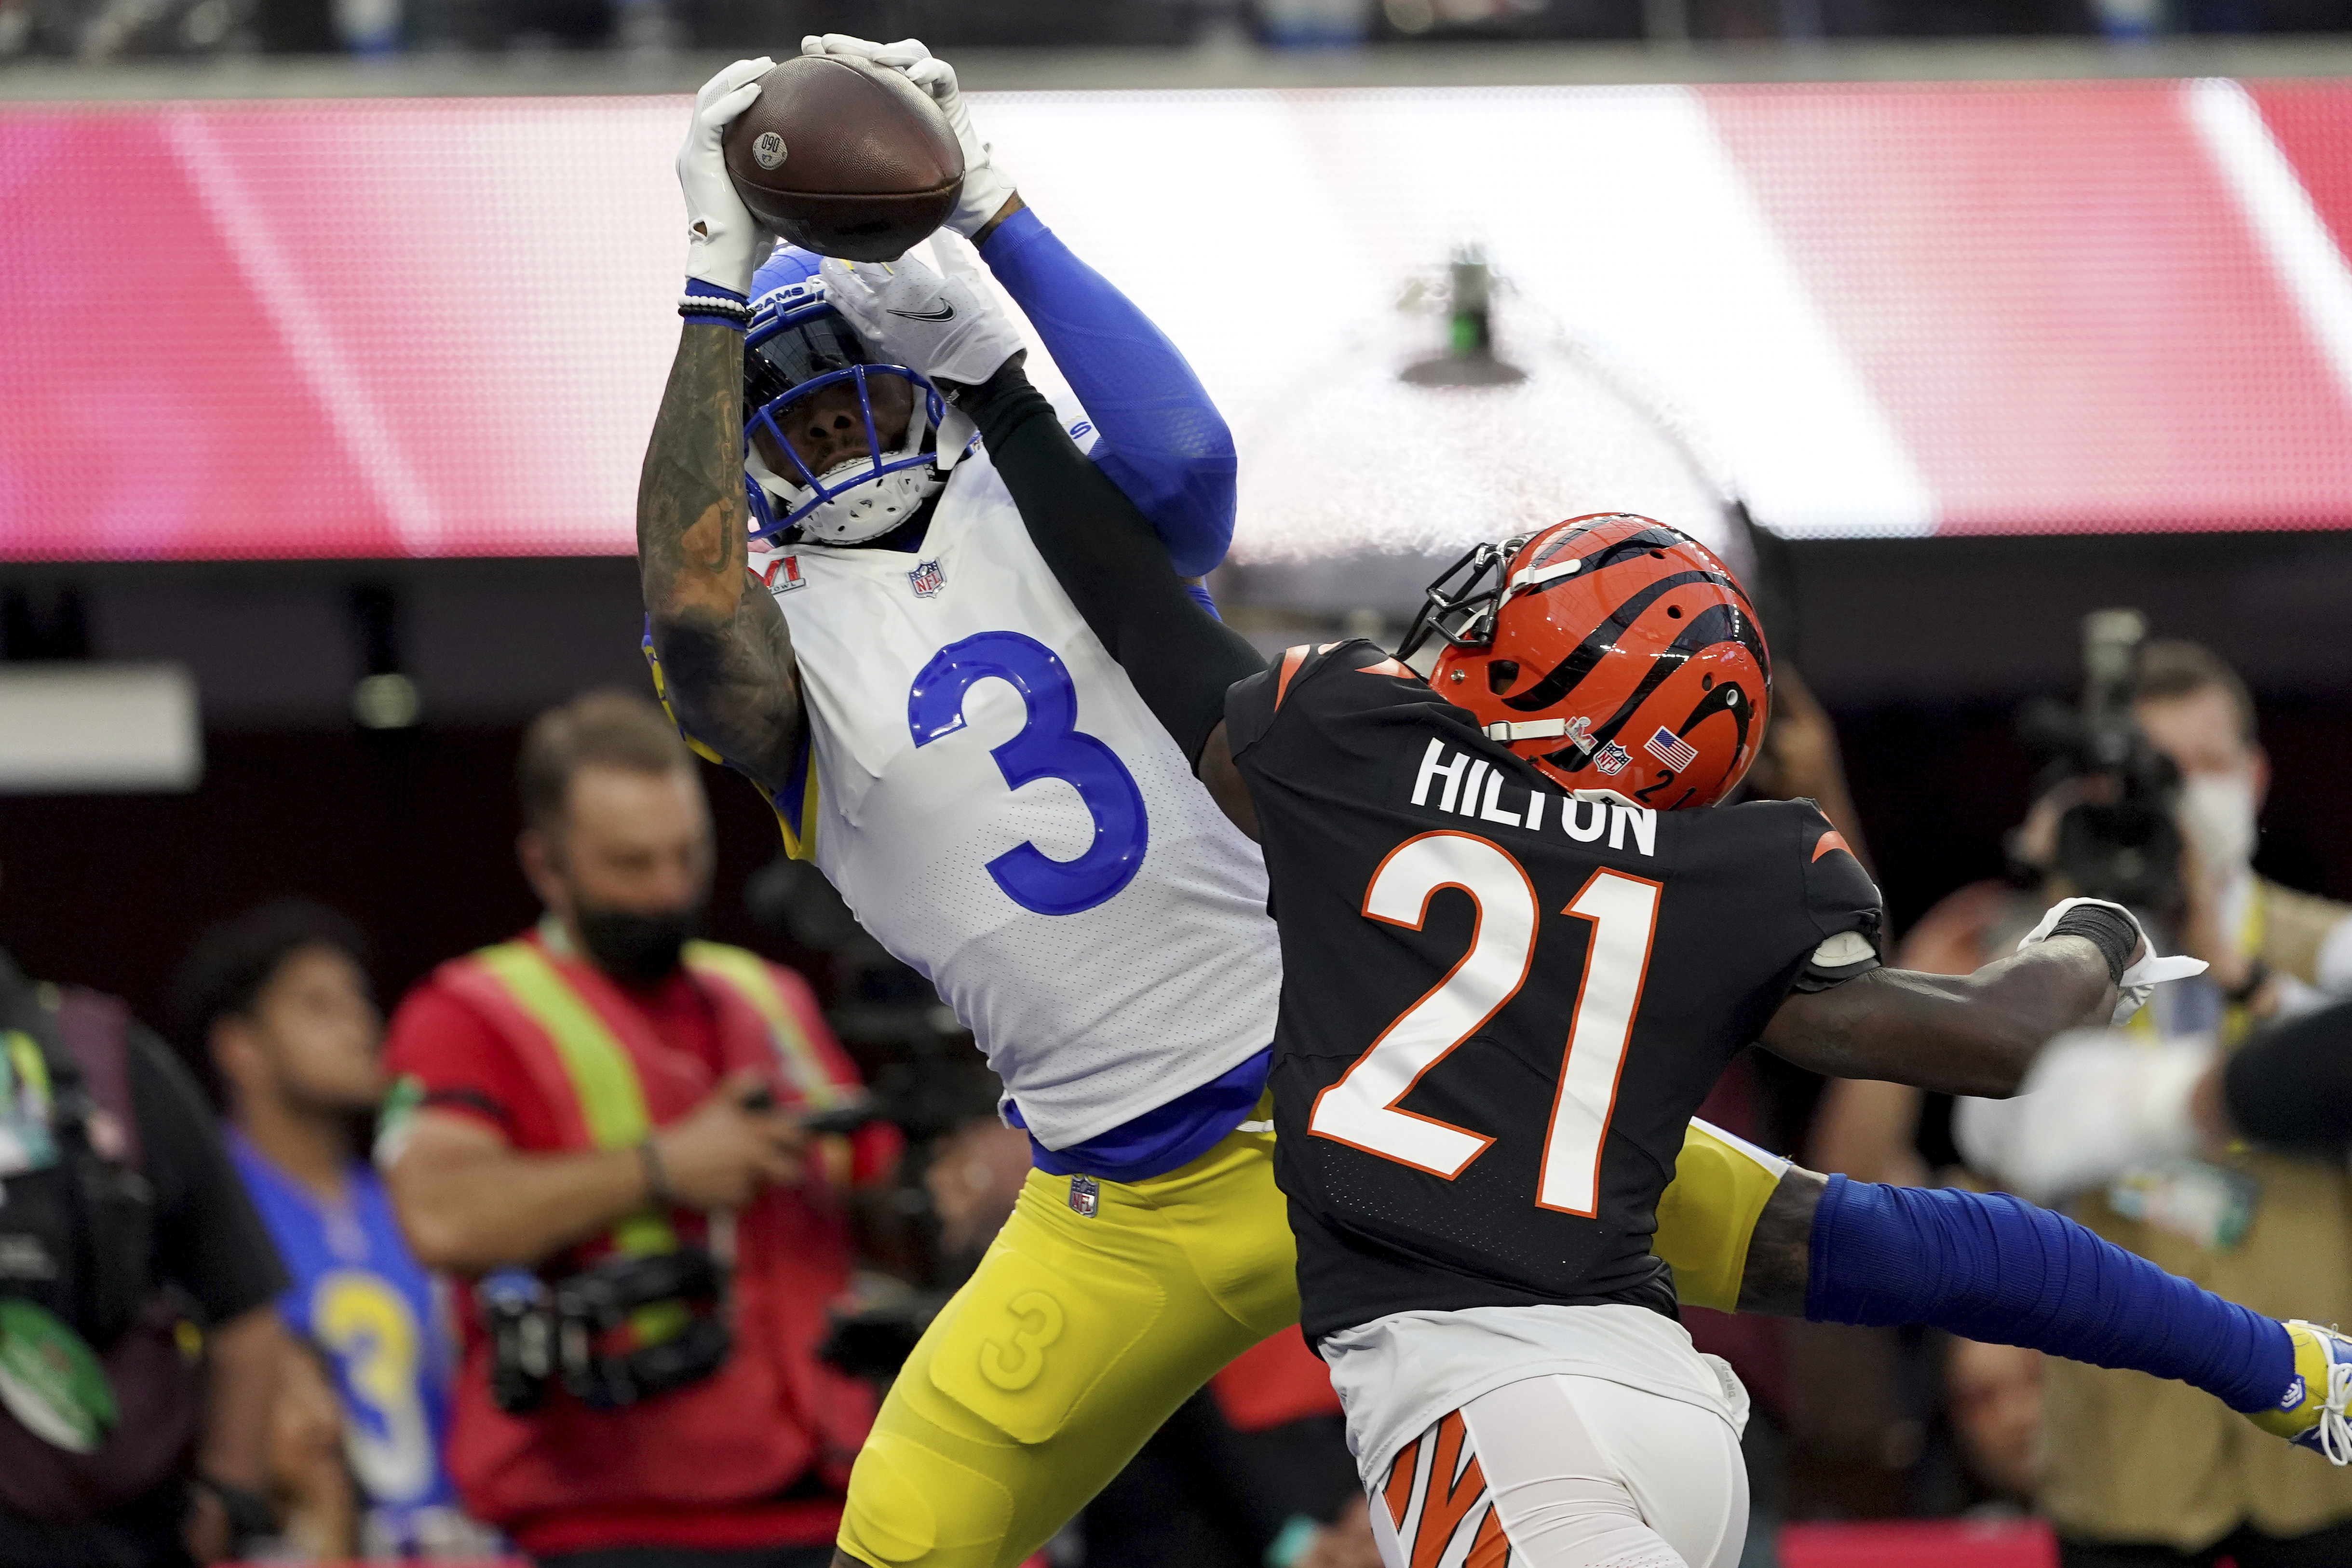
1743	1226
1990	1267
726	653
1969	1033
725	657
1159	436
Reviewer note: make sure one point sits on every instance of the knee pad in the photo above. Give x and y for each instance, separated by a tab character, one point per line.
911	1503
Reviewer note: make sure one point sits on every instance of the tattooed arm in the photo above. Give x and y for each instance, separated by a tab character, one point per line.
726	655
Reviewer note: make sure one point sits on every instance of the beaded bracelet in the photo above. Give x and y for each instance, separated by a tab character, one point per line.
715	309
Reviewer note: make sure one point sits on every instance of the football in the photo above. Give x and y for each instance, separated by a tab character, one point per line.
844	158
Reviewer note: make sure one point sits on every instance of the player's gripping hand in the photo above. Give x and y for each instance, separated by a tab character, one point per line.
724	244
2143	972
986	188
905	313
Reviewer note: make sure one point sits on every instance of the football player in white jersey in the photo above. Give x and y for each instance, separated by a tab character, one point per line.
937	728
897	669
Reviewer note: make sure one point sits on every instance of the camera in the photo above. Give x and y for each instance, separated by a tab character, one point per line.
2117	836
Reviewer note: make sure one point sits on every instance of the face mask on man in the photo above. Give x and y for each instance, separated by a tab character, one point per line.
2219	812
636	948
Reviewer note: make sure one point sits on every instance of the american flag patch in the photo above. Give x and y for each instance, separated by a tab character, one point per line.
1671	749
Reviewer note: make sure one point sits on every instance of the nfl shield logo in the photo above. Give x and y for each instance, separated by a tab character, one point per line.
1086	1196
926	581
784	574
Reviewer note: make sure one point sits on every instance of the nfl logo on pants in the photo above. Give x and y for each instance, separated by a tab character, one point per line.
1086	1196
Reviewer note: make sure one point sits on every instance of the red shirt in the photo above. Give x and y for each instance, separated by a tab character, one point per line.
462	1064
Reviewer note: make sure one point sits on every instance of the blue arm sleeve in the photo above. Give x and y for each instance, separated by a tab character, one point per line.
1159	438
1988	1266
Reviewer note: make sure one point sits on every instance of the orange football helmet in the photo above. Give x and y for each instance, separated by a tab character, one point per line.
1611	651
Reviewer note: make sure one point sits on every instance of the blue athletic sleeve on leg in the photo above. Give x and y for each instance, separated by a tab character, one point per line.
1159	438
1993	1268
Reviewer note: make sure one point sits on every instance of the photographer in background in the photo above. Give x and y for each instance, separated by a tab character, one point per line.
139	1354
2133	1473
2270	946
613	1136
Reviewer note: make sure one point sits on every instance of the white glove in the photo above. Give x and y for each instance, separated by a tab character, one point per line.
724	244
986	188
907	314
2094	1104
2140	981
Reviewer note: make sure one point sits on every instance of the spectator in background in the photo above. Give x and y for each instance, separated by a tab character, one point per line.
127	1244
274	1009
310	1482
603	1109
2134	1473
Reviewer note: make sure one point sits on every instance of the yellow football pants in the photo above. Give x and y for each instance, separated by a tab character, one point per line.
1078	1335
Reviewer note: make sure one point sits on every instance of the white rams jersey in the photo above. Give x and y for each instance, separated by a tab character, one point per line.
1002	811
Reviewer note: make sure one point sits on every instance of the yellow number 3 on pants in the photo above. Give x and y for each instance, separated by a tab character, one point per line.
1075	1340
1016	1368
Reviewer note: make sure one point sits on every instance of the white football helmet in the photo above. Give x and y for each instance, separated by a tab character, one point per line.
798	345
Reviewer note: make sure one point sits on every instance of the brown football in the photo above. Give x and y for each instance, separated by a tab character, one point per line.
844	158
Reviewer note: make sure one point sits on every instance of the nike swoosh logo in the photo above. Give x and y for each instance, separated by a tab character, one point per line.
944	313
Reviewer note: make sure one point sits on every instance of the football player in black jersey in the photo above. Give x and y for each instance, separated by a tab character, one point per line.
1519	943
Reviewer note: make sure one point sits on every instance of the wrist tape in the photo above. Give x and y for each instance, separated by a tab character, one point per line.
2113	932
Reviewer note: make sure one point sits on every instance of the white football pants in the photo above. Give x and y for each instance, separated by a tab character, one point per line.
1566	1472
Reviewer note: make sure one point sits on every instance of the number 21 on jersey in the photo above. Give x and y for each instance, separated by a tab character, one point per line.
1361	1109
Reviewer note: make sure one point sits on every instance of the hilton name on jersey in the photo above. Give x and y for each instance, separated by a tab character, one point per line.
1502	1001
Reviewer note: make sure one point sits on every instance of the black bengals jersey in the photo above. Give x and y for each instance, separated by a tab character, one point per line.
1501	1001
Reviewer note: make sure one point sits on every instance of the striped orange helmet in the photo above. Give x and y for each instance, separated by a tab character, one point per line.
1613	652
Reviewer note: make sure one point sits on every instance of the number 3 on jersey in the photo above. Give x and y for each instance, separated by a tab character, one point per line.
1049	746
1361	1109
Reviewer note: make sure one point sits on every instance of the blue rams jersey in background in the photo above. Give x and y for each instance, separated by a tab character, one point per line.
368	1306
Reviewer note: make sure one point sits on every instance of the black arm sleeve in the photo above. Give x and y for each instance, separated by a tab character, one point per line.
2292	1084
1115	569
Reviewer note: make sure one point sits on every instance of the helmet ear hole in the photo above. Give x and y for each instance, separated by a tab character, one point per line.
1500	674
